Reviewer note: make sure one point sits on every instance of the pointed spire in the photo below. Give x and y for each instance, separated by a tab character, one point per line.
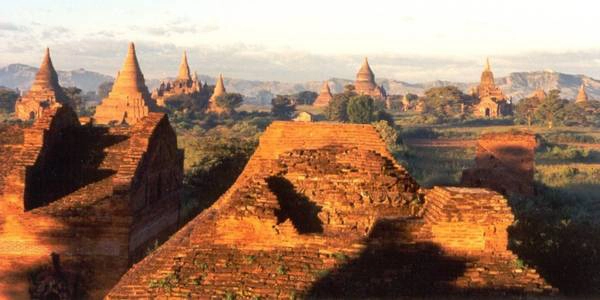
130	79
219	87
325	87
184	68
365	73
487	65
581	95
46	77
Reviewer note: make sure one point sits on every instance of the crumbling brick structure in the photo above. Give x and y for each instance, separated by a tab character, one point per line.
504	162
80	204
323	210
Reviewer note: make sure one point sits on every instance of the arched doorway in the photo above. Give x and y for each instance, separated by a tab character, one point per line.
487	112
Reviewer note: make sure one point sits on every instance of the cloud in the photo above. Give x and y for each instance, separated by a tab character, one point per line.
6	26
178	27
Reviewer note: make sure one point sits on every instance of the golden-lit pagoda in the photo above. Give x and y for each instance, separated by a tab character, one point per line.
218	91
184	84
129	100
324	96
365	82
492	103
45	92
582	96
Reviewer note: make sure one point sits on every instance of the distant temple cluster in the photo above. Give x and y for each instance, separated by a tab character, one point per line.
184	84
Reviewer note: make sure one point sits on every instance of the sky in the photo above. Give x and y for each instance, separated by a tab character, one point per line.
307	40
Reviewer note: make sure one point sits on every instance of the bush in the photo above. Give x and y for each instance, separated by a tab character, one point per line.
360	109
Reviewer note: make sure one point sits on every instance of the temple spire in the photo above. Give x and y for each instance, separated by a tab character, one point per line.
581	95
184	68
130	79
46	77
219	87
487	65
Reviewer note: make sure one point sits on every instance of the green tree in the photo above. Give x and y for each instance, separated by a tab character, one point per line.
445	102
282	107
8	98
306	97
552	110
575	115
337	108
525	110
230	101
360	109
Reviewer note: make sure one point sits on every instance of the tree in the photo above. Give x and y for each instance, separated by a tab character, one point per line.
445	102
306	97
104	88
337	108
74	95
525	110
551	110
230	101
360	109
282	107
8	98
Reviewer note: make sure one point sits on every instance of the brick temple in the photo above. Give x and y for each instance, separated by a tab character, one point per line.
219	90
490	100
45	92
184	84
324	96
365	83
129	100
323	210
81	203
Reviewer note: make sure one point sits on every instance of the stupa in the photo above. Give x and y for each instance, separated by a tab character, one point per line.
492	101
582	96
324	96
218	91
129	100
45	92
365	82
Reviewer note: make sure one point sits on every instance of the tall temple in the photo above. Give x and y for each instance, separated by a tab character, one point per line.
218	91
539	94
129	100
582	96
45	92
365	82
324	96
184	84
492	102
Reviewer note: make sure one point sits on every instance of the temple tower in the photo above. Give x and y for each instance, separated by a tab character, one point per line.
184	69
324	96
218	91
184	84
129	100
582	96
365	82
492	102
45	92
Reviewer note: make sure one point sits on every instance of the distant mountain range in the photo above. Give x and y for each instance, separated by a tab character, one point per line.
516	85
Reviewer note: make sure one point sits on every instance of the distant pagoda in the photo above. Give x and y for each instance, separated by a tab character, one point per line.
365	82
217	92
582	96
45	92
492	103
129	101
324	96
184	84
539	94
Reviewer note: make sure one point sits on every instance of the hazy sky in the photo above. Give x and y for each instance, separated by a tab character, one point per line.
308	40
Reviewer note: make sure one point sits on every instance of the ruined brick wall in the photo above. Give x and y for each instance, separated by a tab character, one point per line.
97	230
156	185
322	210
504	162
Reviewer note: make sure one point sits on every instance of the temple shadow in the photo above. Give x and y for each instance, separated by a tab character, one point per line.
387	269
297	207
66	166
564	249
